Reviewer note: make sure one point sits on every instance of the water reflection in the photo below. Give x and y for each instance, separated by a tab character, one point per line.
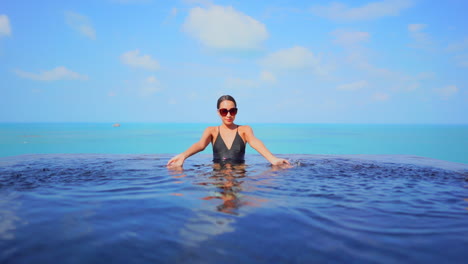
9	220
78	222
227	186
219	195
228	180
216	200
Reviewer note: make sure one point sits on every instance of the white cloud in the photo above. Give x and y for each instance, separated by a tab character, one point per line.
59	73
5	28
446	92
133	59
373	10
380	97
421	39
80	23
224	28
151	85
295	58
268	77
347	38
353	86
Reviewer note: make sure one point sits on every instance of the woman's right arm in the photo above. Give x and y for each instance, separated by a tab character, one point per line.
258	145
178	161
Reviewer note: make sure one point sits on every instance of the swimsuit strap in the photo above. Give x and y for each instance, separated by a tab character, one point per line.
219	134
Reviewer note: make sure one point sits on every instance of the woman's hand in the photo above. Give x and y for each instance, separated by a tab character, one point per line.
280	162
176	161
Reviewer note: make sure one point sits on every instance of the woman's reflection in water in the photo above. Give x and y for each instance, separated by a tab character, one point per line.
228	179
228	185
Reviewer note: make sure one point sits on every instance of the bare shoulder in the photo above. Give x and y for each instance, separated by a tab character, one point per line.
246	132
245	129
207	135
211	130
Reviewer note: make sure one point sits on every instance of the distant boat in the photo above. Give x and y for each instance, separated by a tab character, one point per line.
116	125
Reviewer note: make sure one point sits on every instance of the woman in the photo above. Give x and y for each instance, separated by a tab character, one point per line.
228	139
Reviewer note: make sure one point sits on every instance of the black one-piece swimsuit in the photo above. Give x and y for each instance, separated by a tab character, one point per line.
234	155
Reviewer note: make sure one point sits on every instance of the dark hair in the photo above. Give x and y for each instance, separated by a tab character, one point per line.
224	98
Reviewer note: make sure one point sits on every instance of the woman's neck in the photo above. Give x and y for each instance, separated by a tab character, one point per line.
230	127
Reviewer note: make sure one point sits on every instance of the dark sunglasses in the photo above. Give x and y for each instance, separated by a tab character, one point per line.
224	111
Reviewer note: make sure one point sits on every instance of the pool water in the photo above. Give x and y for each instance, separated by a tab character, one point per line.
90	208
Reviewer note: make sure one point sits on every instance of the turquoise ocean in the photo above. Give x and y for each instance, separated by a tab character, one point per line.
443	142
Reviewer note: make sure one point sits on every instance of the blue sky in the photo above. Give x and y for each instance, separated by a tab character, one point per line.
381	61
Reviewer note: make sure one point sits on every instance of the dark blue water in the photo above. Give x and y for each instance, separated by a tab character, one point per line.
132	209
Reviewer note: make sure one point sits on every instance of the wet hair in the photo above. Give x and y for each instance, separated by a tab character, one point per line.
224	98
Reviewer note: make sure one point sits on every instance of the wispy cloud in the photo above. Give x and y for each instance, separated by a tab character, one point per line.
267	77
80	23
174	12
59	73
133	59
151	85
458	46
373	10
447	92
415	28
462	60
243	86
421	39
380	97
460	50
399	81
354	86
385	82
240	83
240	86
295	58
349	38
5	27
223	27
172	15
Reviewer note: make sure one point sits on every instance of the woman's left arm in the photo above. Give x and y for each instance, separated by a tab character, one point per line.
258	145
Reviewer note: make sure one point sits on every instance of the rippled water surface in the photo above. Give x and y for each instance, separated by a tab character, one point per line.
131	209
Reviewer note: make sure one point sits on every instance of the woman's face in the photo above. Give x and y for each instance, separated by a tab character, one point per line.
228	119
